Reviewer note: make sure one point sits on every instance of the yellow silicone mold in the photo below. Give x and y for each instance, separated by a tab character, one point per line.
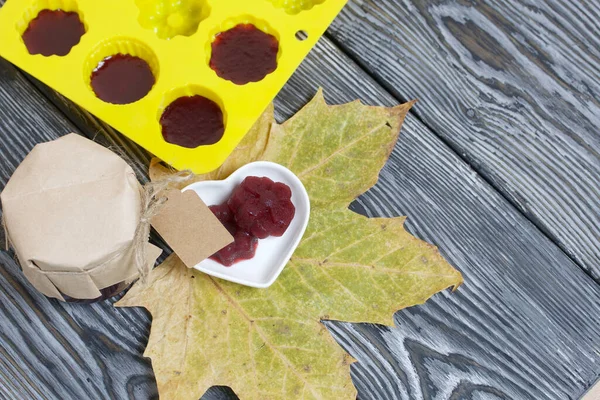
174	38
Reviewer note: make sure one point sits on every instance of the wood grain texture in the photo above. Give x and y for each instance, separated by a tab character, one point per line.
513	86
524	325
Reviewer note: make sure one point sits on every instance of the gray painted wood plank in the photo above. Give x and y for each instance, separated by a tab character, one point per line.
513	86
524	325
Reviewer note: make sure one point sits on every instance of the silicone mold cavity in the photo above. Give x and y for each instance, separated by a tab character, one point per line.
120	45
190	91
39	5
232	23
295	6
170	18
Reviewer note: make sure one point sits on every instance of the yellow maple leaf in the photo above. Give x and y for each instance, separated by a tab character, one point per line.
270	343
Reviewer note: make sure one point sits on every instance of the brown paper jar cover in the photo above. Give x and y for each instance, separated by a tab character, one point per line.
71	210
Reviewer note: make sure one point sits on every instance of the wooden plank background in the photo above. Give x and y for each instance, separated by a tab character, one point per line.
512	86
524	325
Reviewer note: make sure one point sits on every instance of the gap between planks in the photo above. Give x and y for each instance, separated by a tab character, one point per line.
390	90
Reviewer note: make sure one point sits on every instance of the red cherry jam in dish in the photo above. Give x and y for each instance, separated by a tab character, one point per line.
244	54
53	32
244	244
262	207
122	79
192	121
257	208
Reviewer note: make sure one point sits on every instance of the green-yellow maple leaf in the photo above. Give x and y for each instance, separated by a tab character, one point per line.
270	343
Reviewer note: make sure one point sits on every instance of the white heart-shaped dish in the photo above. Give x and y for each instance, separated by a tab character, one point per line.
272	253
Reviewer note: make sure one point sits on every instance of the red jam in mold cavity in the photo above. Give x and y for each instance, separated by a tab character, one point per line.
122	79
53	32
192	121
257	208
244	54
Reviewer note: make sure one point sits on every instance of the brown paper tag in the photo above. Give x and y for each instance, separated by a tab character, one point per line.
190	228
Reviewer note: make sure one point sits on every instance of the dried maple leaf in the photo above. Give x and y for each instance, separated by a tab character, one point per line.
270	343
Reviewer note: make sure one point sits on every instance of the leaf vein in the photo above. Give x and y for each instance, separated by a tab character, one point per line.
275	350
341	150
